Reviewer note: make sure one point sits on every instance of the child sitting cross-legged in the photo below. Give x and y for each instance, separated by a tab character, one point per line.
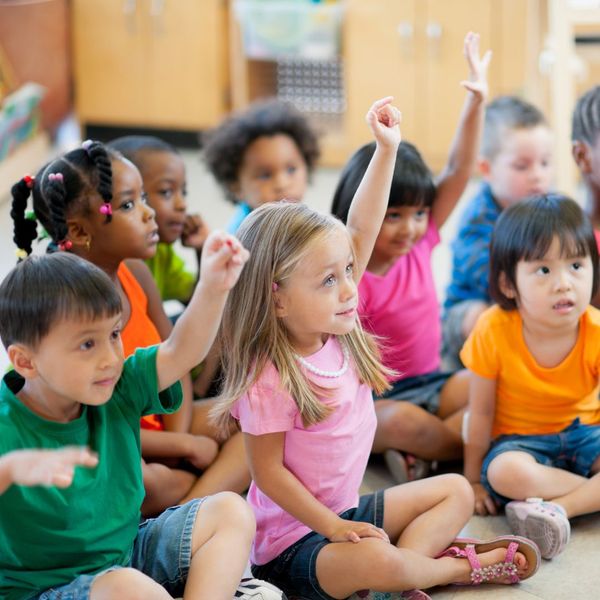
60	321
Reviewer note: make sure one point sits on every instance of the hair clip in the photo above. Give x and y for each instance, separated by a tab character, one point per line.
29	180
274	286
106	209
87	145
21	254
65	245
56	177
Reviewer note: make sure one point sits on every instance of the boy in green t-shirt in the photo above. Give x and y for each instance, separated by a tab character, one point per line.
60	321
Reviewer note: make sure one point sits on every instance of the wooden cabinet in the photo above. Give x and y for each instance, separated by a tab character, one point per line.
412	49
150	63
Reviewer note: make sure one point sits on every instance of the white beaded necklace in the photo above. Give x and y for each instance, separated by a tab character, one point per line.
332	374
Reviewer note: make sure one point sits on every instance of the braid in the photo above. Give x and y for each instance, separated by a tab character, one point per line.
24	229
586	117
55	193
99	156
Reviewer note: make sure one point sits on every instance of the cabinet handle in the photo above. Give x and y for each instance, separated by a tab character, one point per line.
405	30
157	8
130	10
433	30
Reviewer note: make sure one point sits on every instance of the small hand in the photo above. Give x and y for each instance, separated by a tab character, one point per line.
484	503
49	467
201	450
223	258
477	82
384	120
353	531
195	232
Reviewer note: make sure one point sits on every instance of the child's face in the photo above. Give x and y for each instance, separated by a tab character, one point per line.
273	169
77	362
587	158
522	167
554	292
402	228
320	296
132	232
166	186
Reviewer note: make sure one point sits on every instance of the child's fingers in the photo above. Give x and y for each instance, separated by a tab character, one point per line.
378	104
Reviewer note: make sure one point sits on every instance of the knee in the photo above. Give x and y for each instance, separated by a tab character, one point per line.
231	510
461	491
126	584
508	471
405	423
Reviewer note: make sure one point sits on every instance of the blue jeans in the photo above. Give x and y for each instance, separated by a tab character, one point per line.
162	550
573	449
295	569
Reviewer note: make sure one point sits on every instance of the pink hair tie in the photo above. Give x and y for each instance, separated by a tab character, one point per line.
87	145
274	286
56	177
106	209
65	245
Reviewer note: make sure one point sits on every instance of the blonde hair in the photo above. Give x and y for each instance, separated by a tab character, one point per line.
278	237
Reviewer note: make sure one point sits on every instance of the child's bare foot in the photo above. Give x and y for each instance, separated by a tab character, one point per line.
494	557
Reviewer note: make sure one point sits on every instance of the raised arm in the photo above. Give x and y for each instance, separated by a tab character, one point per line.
478	434
192	336
465	146
371	199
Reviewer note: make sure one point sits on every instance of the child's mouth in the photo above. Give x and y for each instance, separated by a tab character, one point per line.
563	306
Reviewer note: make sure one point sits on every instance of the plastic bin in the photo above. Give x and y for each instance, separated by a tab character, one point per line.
274	29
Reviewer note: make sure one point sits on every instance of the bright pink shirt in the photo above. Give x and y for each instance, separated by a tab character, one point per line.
401	307
329	458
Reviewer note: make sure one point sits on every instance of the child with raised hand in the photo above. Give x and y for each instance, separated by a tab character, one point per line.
515	163
164	179
263	154
91	203
298	372
60	321
533	433
422	412
585	136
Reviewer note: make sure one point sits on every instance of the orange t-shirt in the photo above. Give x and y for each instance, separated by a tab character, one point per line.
531	399
140	331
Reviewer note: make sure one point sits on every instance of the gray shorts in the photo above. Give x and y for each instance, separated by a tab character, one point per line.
452	333
162	550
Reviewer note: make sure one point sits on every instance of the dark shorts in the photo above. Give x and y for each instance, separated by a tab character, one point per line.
452	333
162	550
573	449
295	569
421	390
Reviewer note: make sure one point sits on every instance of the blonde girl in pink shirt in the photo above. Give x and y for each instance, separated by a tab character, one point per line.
298	377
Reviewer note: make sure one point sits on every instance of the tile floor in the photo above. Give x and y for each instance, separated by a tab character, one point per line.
575	573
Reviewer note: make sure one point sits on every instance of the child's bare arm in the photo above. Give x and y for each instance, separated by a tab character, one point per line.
222	260
371	199
43	467
465	146
265	457
199	450
482	403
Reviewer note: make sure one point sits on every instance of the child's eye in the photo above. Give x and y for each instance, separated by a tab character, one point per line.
144	197
420	214
184	191
349	269
87	345
392	216
292	169
576	266
127	205
543	271
115	335
329	281
166	194
264	175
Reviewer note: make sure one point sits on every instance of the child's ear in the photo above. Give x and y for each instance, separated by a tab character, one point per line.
505	287
21	357
78	233
280	307
581	155
484	166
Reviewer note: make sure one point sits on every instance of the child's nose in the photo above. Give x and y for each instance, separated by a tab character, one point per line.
348	289
180	203
563	280
149	212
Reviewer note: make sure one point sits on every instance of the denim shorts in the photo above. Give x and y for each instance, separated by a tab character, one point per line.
573	449
420	390
295	570
162	550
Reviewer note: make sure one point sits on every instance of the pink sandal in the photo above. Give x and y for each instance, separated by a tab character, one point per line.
408	595
469	548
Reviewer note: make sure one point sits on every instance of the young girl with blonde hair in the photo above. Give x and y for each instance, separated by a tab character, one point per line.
298	376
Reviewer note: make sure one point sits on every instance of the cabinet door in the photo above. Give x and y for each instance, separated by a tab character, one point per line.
186	62
445	67
108	61
380	60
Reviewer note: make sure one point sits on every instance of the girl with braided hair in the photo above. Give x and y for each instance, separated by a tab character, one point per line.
91	203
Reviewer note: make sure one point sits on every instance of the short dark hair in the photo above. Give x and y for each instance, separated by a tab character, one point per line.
133	147
41	290
507	113
525	231
586	117
226	145
412	182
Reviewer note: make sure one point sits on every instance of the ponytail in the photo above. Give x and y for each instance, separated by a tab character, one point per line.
24	228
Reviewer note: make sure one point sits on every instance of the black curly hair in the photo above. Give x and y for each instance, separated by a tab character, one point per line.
225	147
132	147
586	117
60	187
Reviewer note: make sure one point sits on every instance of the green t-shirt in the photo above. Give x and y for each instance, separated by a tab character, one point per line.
50	536
169	270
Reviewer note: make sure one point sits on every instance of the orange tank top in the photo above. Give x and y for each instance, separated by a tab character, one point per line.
139	332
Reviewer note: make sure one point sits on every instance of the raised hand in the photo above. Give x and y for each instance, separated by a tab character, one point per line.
478	67
353	531
384	121
223	258
195	232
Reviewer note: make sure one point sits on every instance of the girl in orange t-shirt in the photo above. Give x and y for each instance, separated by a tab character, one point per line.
532	439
